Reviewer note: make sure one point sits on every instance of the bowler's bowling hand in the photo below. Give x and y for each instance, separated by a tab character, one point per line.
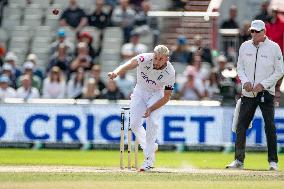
112	75
258	88
248	87
147	113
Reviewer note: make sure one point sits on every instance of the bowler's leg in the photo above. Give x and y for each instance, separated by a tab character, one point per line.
137	110
152	126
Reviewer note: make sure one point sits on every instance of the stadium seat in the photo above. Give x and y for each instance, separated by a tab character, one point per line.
19	42
34	9
40	42
42	3
43	31
113	32
3	35
20	3
12	10
112	43
111	55
32	21
52	21
108	65
63	3
12	21
21	31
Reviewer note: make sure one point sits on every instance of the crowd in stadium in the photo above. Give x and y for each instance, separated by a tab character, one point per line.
73	69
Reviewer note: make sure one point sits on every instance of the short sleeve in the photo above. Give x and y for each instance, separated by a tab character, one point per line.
169	85
141	58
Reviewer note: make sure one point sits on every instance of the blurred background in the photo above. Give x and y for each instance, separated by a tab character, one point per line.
53	84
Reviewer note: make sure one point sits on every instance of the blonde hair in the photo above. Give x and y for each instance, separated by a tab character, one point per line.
162	49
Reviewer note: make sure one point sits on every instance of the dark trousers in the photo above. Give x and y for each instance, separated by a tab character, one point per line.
247	110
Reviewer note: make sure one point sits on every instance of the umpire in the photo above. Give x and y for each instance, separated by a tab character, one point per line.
259	67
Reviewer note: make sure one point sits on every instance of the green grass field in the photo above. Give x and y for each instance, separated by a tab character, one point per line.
258	178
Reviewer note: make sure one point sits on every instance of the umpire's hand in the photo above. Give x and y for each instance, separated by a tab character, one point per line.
258	88
112	75
248	87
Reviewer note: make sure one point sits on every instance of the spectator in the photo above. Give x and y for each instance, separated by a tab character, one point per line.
181	52
145	24
133	48
7	70
229	44
112	92
96	74
202	68
124	17
29	70
111	3
54	85
61	39
60	59
83	58
75	84
264	14
136	4
12	59
227	80
275	28
193	88
212	90
201	49
3	3
5	90
87	38
33	58
244	32
99	18
26	91
231	22
125	83
73	16
90	91
178	5
2	52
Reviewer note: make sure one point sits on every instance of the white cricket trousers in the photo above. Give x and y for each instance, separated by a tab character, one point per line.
142	99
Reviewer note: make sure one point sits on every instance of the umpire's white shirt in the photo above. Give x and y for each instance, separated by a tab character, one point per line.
260	64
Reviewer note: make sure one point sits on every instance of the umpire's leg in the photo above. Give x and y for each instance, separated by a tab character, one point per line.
268	111
247	110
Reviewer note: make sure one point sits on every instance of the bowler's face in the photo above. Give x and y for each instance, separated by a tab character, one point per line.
159	61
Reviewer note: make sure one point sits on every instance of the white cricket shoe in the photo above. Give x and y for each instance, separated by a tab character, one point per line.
156	147
236	164
273	166
147	165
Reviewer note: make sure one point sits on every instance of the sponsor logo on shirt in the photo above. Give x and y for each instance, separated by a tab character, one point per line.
263	56
146	78
248	54
141	58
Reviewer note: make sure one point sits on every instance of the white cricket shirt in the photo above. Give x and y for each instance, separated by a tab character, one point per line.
151	79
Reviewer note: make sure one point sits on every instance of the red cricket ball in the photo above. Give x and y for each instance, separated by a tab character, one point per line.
55	11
